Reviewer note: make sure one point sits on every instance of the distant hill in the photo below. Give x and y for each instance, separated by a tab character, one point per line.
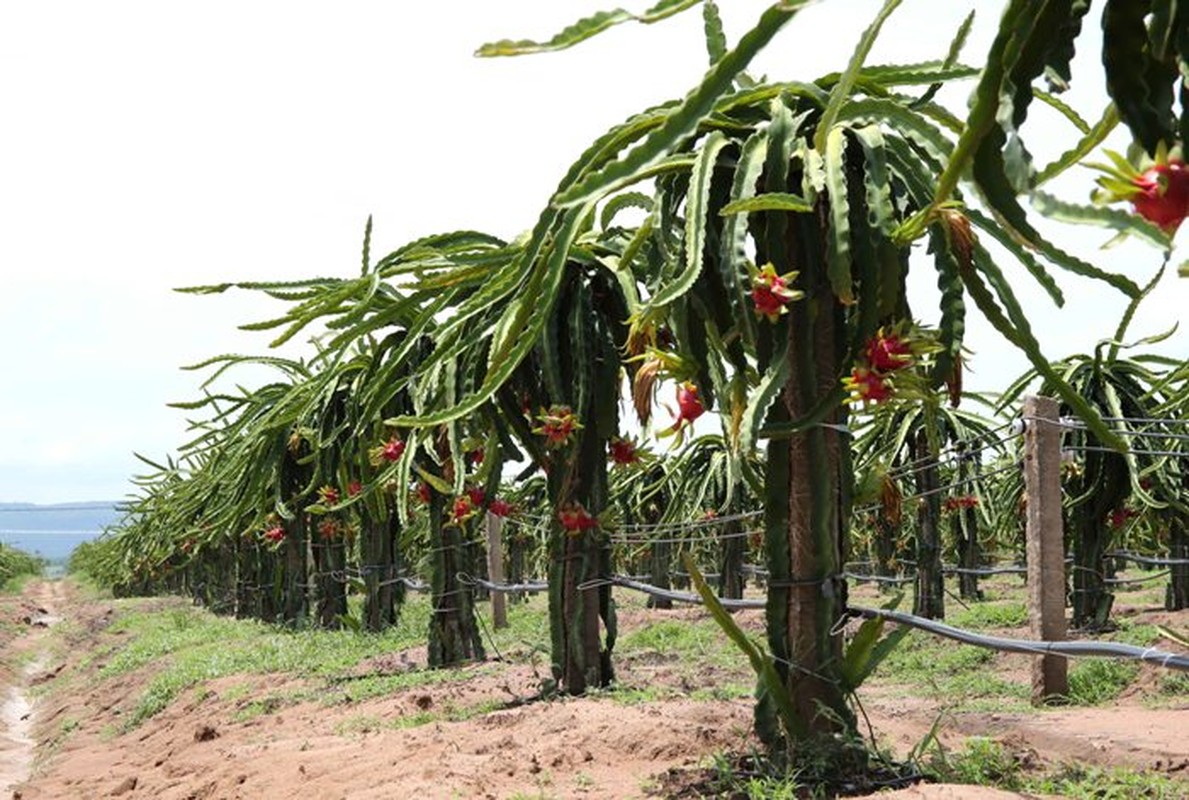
54	530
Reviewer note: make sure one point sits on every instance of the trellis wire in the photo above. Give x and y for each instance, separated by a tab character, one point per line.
704	522
659	528
940	489
960	447
950	454
1140	420
1082	448
1180	437
681	539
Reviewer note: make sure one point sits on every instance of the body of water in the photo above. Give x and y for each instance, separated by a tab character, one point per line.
51	545
53	531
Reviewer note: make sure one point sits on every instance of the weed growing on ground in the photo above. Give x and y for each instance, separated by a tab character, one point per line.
1100	680
988	614
986	762
1078	782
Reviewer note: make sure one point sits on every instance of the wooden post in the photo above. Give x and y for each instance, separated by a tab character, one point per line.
1045	542
495	569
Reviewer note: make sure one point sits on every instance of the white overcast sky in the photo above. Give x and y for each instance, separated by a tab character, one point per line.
150	145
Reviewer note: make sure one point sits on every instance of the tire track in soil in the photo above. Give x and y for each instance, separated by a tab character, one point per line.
17	712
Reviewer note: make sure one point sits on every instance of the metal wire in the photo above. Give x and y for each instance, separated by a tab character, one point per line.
1184	437
941	489
1096	449
682	539
705	522
950	454
1141	420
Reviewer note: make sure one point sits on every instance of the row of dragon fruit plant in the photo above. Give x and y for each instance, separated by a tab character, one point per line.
748	244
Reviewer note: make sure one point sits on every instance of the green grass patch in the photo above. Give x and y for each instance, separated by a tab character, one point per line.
188	646
634	695
368	723
963	677
1130	633
921	654
724	691
1175	684
1100	680
1078	782
380	685
986	762
271	703
997	614
681	640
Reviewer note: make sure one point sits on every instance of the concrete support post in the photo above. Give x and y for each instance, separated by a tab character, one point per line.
1045	544
495	569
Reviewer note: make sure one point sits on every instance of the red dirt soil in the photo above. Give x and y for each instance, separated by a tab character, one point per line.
574	748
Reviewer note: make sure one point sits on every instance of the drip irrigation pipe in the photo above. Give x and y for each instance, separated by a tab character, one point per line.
531	586
1124	555
680	597
1145	579
1151	655
879	578
984	570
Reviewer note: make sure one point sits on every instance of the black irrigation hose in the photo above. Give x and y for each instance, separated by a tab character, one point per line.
947	570
985	571
681	597
1145	579
1065	649
530	586
879	578
1124	555
1151	655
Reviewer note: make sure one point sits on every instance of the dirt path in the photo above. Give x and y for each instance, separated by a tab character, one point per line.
210	744
24	659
